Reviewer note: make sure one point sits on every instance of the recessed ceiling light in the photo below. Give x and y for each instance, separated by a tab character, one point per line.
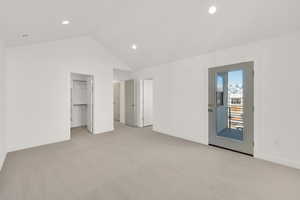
212	9
65	22
134	46
24	35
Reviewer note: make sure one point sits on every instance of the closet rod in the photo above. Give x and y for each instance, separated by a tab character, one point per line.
80	80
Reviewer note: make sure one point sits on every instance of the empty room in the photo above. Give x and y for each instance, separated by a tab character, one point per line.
144	100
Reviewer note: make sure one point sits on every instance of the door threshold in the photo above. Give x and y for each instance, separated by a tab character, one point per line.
247	154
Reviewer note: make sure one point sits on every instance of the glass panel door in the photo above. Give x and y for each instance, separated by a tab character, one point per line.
231	107
229	102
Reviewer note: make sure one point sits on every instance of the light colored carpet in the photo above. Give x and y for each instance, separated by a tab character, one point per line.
138	164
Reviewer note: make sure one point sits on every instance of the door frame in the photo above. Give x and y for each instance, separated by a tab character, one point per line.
92	80
114	103
247	145
143	102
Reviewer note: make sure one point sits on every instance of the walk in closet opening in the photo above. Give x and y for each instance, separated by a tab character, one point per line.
81	104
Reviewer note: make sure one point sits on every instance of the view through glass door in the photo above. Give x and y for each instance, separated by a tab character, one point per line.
231	107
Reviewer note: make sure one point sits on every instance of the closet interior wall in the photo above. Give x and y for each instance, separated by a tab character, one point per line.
79	99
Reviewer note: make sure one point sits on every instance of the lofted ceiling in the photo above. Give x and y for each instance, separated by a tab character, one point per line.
164	30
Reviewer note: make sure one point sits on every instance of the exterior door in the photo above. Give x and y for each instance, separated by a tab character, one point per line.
117	101
231	107
130	105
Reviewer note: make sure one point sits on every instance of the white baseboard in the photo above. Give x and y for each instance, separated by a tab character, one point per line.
103	131
180	137
100	131
277	160
2	160
266	157
27	146
262	156
57	140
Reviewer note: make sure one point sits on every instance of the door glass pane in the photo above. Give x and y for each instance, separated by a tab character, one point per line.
229	102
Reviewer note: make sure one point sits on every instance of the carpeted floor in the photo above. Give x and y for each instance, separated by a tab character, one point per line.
138	164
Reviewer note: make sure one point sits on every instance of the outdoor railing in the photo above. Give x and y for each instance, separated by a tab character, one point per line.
235	117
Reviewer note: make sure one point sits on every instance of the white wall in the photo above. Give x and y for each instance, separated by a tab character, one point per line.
181	96
139	89
144	98
117	103
38	89
122	75
2	107
122	102
148	102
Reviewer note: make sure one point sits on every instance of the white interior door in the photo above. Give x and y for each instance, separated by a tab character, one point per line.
90	104
130	105
117	101
148	102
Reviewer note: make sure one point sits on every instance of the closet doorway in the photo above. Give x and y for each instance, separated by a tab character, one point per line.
82	103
